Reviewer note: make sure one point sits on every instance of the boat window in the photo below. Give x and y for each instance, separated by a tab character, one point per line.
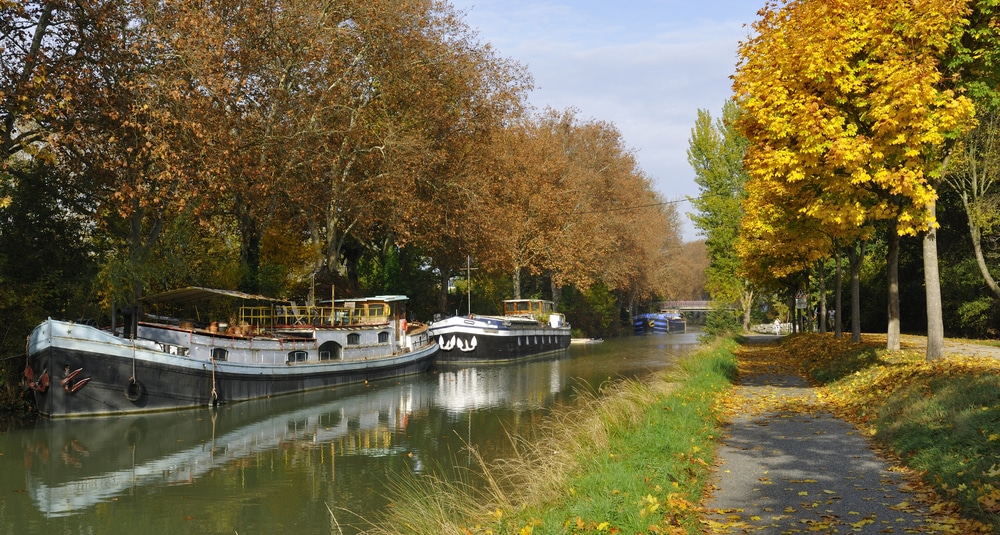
376	310
353	339
383	337
330	350
219	353
297	356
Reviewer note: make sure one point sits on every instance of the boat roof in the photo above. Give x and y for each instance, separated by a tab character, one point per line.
197	293
377	298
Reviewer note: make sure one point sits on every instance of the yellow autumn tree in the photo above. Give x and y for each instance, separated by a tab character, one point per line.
847	114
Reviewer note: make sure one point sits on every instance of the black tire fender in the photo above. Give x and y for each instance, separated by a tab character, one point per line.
134	389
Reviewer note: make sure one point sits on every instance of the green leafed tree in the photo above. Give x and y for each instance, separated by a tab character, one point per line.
973	63
715	152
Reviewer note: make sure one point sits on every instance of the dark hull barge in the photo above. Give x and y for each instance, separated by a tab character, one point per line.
79	370
529	328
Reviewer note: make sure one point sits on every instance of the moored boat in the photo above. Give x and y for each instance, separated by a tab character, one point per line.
676	322
273	348
651	322
664	321
529	327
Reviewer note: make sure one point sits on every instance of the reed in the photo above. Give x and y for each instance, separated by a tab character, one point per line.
632	456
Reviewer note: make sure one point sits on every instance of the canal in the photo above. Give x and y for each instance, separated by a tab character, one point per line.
321	462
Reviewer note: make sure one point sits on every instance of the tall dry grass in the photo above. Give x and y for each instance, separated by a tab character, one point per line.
506	495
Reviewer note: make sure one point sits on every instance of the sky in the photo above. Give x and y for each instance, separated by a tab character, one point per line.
647	66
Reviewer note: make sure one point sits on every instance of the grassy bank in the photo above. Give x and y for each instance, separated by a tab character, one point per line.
633	460
940	418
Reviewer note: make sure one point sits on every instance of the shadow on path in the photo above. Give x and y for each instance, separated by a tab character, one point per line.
796	468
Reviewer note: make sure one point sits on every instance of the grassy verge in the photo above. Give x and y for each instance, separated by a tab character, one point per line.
940	418
633	460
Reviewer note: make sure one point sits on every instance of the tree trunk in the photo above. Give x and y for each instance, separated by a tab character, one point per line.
892	267
793	318
11	140
747	302
838	326
821	273
976	234
855	258
516	280
556	294
351	254
443	293
250	237
932	288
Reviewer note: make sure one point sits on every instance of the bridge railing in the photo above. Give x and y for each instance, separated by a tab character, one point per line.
695	305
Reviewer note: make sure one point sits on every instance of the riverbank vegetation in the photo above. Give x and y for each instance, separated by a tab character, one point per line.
632	460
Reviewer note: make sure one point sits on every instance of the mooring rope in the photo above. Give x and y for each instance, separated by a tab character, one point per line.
215	394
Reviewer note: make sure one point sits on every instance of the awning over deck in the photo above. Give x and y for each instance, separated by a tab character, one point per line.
195	293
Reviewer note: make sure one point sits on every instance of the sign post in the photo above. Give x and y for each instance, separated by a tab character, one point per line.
801	303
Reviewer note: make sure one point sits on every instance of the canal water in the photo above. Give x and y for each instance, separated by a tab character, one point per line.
321	462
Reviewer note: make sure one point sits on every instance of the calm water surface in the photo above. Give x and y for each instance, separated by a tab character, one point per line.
282	465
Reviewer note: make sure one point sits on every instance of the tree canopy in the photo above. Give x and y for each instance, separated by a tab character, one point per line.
272	145
848	113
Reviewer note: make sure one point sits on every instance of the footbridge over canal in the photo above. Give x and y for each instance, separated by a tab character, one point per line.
696	310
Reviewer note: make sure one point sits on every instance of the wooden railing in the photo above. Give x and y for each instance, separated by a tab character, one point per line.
307	315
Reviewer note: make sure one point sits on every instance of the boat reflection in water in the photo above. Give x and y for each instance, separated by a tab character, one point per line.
508	385
320	462
73	465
